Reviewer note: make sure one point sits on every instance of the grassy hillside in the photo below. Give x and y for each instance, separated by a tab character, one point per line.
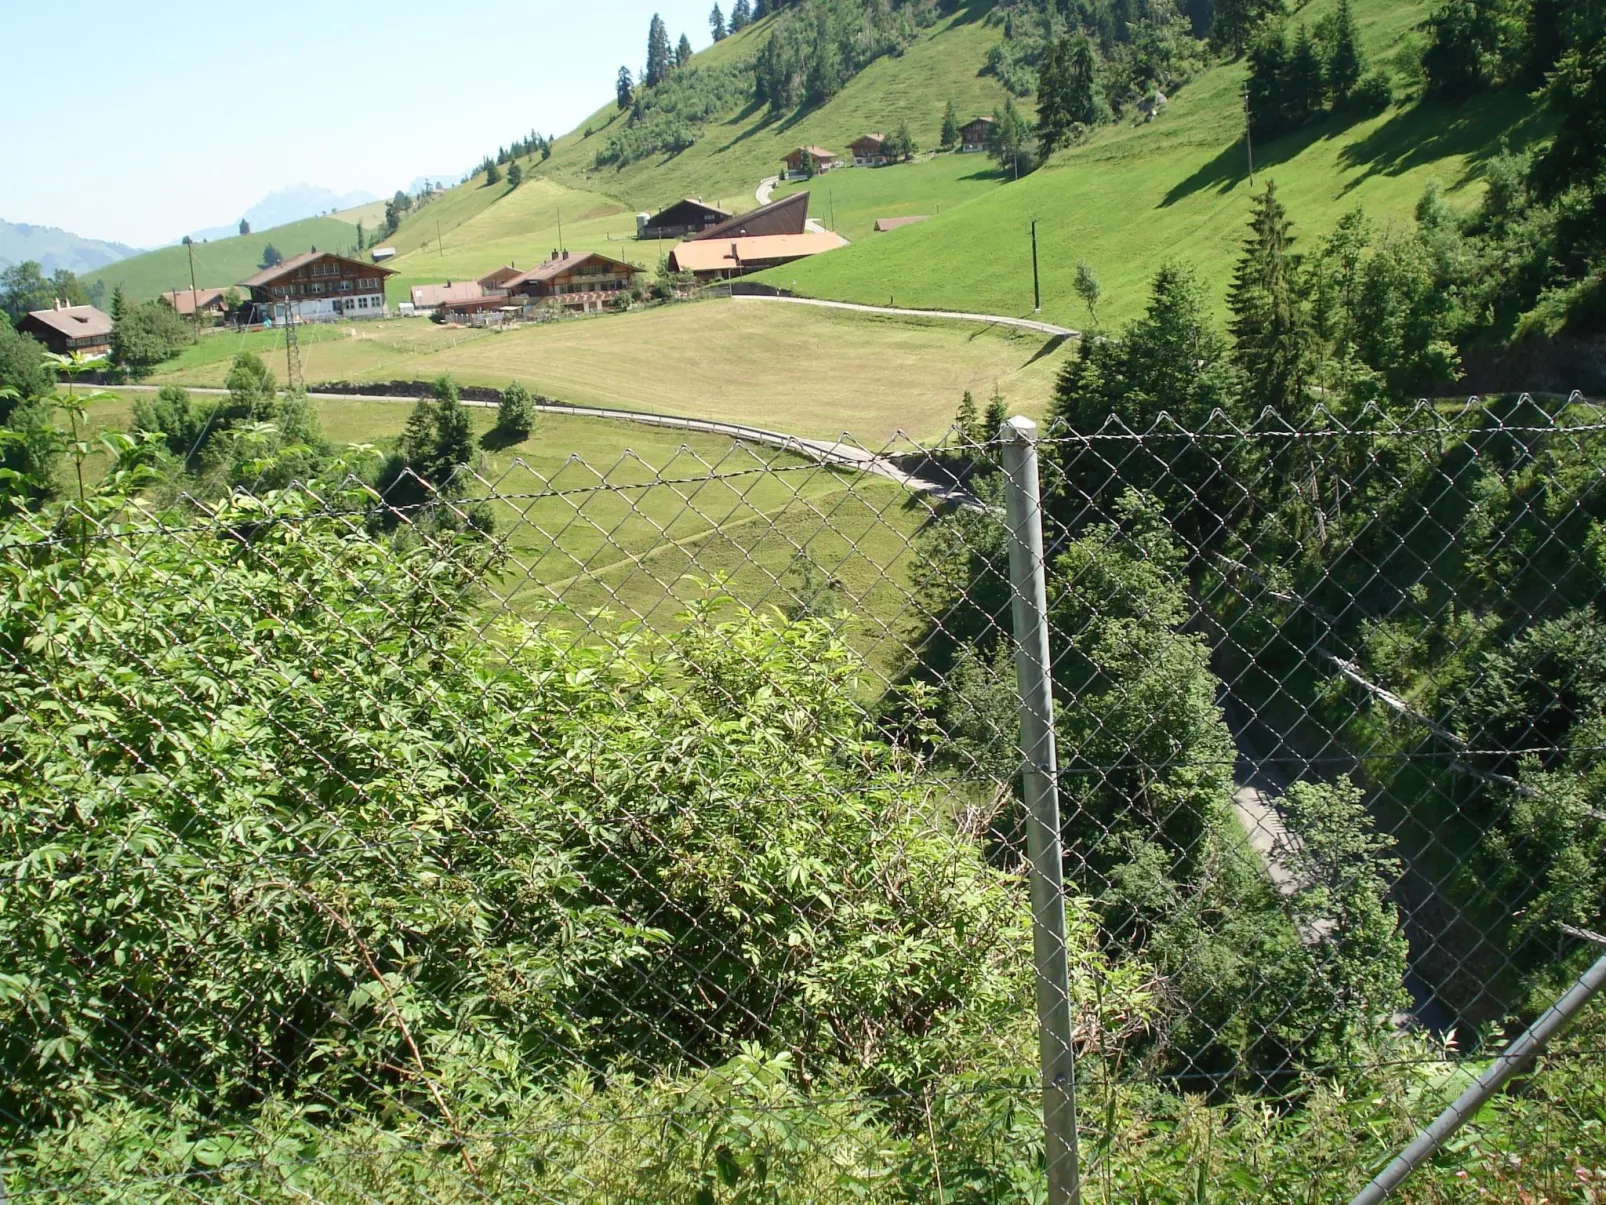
734	153
221	262
1137	195
806	371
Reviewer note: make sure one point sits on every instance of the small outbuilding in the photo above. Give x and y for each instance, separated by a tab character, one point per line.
208	303
70	330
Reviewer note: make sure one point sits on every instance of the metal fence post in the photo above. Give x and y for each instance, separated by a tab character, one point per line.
1507	1064
1058	1058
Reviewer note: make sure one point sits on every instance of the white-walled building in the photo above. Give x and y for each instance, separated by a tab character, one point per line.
320	284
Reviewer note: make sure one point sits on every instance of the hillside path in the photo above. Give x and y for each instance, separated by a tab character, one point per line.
837	453
765	187
1025	324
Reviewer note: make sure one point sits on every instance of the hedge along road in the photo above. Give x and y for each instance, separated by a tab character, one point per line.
834	453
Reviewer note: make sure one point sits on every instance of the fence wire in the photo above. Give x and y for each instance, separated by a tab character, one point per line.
655	831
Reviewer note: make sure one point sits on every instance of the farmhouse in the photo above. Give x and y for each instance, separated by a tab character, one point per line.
973	135
70	330
495	281
872	150
807	161
721	259
789	215
583	283
679	220
320	284
433	297
209	303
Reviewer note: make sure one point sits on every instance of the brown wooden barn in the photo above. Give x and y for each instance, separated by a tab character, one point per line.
70	330
680	219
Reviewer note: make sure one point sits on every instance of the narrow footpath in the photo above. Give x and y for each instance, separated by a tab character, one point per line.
1025	324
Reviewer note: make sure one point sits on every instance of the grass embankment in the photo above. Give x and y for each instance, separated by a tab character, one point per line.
789	368
636	522
850	201
1136	196
222	262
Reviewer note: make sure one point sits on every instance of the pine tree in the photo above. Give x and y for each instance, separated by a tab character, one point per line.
824	76
1081	82
950	127
515	417
967	422
624	88
1268	74
1344	61
1233	26
245	227
683	51
741	15
493	174
660	59
716	24
1305	89
1006	140
515	175
1053	117
993	422
453	445
119	302
1271	328
418	436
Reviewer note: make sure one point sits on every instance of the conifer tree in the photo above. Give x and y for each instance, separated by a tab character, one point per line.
950	127
1306	89
1081	82
1053	118
624	90
741	15
453	445
683	52
1344	60
1271	327
967	421
660	59
716	24
515	175
1268	73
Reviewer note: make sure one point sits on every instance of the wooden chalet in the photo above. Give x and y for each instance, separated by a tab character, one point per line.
320	284
872	150
495	281
583	283
683	218
208	303
808	161
70	330
722	259
973	135
789	215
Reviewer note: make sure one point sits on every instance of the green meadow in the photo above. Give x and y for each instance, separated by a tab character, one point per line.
1178	188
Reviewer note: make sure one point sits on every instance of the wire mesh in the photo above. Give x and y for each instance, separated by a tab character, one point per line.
653	830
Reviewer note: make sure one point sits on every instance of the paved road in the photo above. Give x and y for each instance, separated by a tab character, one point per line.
837	453
1025	324
765	188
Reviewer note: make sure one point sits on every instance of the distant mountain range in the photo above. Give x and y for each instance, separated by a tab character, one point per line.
53	248
287	205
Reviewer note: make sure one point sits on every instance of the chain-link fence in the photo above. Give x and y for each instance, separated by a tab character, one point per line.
1163	815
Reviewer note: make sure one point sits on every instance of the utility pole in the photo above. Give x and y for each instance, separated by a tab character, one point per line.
195	310
1249	137
440	250
1037	288
831	193
560	230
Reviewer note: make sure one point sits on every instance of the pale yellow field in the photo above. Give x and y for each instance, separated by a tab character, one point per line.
789	368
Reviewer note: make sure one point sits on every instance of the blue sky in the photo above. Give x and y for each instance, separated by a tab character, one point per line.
145	119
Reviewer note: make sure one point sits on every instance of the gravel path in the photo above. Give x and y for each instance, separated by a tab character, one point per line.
1025	324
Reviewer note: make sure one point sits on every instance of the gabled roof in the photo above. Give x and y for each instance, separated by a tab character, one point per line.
75	321
868	138
428	297
557	267
185	301
268	275
497	278
789	215
975	120
702	206
819	152
701	255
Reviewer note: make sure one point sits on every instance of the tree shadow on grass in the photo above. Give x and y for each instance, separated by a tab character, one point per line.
1050	346
1230	167
497	440
1431	130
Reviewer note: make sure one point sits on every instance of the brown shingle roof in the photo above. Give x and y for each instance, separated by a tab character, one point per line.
75	321
789	215
819	152
557	267
701	255
428	297
268	275
185	301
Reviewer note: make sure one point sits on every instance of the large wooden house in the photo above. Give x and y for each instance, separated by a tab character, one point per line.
681	219
582	283
70	330
319	284
973	135
808	161
871	150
